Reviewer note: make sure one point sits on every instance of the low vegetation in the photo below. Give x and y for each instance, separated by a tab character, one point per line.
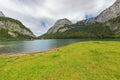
92	60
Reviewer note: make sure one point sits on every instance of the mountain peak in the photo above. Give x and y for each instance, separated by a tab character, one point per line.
60	26
63	22
1	14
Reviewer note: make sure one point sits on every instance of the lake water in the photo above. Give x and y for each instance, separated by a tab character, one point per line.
33	46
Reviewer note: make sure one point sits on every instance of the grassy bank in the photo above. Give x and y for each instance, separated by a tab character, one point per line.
92	60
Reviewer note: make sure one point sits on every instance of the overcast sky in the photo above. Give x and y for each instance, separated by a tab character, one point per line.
40	15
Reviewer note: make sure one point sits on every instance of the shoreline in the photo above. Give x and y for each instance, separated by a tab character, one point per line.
46	51
31	53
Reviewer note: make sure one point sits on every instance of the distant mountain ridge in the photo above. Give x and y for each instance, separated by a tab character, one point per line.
105	25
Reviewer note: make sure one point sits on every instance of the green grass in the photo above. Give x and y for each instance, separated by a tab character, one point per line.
92	60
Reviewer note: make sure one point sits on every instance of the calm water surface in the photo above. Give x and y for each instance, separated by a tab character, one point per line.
33	46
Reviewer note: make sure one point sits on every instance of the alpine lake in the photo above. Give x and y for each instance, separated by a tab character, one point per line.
26	46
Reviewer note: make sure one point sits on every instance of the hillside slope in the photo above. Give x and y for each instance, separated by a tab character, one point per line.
13	29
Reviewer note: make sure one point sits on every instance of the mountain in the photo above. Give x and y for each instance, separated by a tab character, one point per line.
1	14
11	29
105	25
109	13
60	26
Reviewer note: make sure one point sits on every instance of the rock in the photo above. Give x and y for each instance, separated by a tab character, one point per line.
12	34
60	26
109	13
1	14
14	28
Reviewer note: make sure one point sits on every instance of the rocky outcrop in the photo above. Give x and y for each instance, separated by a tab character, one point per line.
1	14
109	13
14	28
60	26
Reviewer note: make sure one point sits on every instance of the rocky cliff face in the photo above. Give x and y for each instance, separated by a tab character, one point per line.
60	26
109	13
1	14
13	28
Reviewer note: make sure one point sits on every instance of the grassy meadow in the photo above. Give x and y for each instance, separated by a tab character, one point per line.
90	60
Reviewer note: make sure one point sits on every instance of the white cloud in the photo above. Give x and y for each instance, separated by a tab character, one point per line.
40	15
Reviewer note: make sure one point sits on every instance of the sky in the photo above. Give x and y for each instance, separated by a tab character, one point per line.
40	15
